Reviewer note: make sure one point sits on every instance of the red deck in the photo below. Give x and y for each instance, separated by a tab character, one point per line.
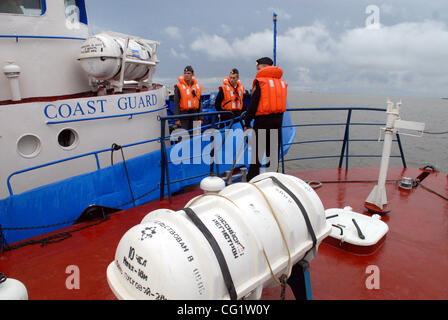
413	261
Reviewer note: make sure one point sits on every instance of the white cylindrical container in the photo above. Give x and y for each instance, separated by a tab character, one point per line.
101	57
12	72
258	227
12	289
212	184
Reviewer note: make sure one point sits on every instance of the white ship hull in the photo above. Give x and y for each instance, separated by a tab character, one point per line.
29	135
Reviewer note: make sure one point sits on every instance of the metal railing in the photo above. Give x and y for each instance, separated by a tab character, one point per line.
345	150
93	153
165	175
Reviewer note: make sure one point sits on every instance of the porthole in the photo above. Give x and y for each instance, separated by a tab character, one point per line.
29	146
68	139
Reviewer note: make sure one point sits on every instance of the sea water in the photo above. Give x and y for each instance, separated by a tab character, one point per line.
430	149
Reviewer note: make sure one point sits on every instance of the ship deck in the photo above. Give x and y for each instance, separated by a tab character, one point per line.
412	262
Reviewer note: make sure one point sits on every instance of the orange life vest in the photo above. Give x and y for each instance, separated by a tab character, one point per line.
273	91
233	97
187	100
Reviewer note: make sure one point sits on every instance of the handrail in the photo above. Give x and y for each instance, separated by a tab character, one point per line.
17	37
192	115
345	150
164	175
95	153
165	181
335	108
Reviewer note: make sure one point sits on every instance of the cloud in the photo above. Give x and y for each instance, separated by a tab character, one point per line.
416	47
226	29
216	47
386	8
408	56
301	44
173	32
178	55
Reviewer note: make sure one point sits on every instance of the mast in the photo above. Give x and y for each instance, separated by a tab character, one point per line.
275	38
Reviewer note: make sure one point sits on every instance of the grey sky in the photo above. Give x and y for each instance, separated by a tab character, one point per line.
323	45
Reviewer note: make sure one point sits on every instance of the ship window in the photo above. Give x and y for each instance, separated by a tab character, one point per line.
25	7
68	139
75	11
29	146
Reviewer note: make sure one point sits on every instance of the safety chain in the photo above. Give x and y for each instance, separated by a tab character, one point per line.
39	227
56	237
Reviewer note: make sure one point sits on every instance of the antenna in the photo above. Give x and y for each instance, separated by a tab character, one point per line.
377	199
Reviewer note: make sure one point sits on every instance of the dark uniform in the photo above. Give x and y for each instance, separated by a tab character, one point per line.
266	108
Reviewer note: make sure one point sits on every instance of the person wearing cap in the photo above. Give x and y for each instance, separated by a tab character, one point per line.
187	98
266	108
230	96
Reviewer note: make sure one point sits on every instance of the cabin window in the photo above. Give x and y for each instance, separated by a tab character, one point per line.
68	139
25	7
75	11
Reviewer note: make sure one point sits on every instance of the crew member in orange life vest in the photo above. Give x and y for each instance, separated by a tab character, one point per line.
187	98
266	108
230	96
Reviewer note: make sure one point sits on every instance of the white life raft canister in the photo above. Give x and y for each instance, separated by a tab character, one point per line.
12	289
101	57
222	245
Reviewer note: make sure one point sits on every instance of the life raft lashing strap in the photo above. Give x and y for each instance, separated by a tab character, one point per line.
216	249
302	209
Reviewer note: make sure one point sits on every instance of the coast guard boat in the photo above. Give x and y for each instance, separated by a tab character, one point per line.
64	97
84	134
78	114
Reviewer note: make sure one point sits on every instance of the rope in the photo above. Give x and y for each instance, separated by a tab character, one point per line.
118	147
70	221
54	238
283	237
238	155
435	192
232	122
318	184
139	197
39	227
442	132
212	194
2	277
3	243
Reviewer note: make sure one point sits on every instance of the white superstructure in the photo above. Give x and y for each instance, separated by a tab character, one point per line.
52	104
